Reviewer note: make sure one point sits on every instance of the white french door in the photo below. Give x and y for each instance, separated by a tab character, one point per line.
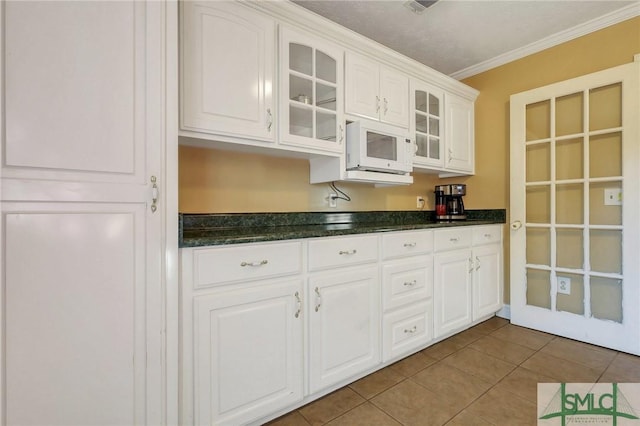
575	230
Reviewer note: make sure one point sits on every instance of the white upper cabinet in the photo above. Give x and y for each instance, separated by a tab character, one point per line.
376	92
311	90
459	134
427	124
227	74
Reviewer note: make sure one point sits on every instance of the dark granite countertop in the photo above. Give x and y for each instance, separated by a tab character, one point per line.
198	230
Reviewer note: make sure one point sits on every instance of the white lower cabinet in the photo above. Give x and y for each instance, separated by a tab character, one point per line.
248	350
467	276
344	325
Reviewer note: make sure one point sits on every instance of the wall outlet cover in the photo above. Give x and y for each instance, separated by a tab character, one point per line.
564	285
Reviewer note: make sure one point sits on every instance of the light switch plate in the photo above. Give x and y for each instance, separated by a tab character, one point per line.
612	197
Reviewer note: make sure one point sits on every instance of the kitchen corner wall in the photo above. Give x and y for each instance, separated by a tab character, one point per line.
216	181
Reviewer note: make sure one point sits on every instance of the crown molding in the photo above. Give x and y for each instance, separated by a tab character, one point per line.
627	12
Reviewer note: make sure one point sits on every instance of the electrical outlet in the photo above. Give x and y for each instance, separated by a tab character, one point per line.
332	199
420	202
564	285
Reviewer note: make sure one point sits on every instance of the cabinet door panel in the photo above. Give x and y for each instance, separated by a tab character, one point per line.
227	86
452	291
75	95
487	280
394	95
460	134
406	329
248	353
344	326
362	87
76	314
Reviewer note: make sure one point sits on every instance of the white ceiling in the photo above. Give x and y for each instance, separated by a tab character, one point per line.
464	37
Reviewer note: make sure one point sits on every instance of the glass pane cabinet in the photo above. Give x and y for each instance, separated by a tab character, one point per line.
427	124
311	111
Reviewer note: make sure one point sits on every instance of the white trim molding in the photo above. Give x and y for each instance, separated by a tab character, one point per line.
615	17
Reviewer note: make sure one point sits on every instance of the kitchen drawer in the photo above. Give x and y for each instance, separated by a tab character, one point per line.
452	238
342	251
407	282
229	264
487	234
408	243
406	330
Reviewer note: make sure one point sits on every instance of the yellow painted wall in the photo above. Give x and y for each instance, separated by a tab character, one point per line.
218	181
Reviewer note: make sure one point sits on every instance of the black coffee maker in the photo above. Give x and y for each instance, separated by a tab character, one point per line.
449	205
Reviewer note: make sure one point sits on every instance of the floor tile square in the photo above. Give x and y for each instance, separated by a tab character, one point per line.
522	336
377	382
481	365
465	418
502	408
441	349
411	404
524	383
366	414
561	369
331	406
506	351
294	418
624	368
413	364
458	388
490	325
581	353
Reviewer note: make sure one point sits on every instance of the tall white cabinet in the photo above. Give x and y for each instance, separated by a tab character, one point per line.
88	153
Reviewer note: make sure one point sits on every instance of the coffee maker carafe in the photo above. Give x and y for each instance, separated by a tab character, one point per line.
449	205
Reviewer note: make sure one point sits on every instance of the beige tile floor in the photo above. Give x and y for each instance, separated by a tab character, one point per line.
486	375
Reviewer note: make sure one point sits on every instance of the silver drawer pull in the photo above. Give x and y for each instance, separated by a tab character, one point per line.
318	299
262	262
487	235
454	240
410	283
341	252
411	330
299	303
409	245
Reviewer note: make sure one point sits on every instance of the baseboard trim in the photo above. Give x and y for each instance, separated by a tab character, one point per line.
505	312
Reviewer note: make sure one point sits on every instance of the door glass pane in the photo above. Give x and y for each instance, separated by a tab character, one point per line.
434	148
605	107
300	121
606	298
325	67
569	113
599	213
569	203
538	160
421	100
300	89
537	204
423	148
574	301
606	250
326	126
605	155
421	122
300	58
434	126
538	246
326	96
569	248
434	105
538	121
538	288
569	159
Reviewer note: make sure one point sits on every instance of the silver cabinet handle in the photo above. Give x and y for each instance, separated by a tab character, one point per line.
154	194
409	245
516	225
450	155
299	303
411	330
386	106
341	133
487	235
377	103
347	252
454	240
477	263
262	262
470	265
410	283
269	119
318	299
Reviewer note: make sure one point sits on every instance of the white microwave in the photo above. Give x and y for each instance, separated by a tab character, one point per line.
378	147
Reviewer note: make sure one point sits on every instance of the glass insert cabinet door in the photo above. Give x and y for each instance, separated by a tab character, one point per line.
574	205
427	124
311	88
